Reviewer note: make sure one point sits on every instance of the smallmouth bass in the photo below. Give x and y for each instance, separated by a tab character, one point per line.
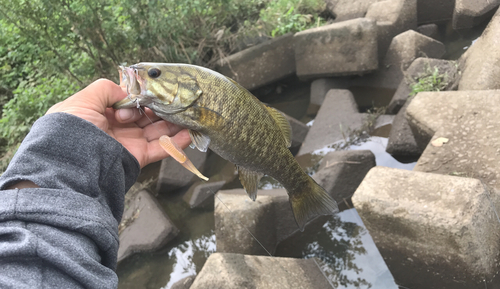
225	117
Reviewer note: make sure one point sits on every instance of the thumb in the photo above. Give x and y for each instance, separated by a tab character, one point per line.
99	95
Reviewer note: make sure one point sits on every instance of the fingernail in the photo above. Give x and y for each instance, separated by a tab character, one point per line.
125	113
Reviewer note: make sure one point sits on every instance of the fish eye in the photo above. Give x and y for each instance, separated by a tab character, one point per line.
154	72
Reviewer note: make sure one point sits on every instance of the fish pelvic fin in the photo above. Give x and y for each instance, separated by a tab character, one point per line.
250	181
311	201
199	140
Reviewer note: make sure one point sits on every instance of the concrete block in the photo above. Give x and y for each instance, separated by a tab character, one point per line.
392	17
430	30
147	227
434	11
261	64
422	67
337	115
174	176
321	86
269	218
344	48
402	144
442	229
299	131
341	172
343	10
470	121
201	194
184	283
404	49
480	64
469	13
236	271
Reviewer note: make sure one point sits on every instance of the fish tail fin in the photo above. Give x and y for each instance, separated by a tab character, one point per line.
311	201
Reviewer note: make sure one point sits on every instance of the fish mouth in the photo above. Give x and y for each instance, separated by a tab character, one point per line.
133	84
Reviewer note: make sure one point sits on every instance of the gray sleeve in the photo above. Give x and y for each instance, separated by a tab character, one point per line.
65	233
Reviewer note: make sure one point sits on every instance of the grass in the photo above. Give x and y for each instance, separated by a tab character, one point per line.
430	80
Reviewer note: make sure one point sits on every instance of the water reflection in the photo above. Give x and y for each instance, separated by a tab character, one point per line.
375	144
349	257
269	183
185	257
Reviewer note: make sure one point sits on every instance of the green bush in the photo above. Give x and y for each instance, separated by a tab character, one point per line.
51	48
430	80
30	103
284	16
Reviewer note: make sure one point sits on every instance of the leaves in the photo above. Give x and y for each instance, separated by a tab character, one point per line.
284	16
431	80
31	102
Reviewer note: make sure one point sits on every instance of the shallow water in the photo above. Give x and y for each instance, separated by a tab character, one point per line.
348	254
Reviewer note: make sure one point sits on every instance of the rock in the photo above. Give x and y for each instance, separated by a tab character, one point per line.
174	176
440	228
470	120
402	144
299	131
201	194
469	13
344	48
337	115
430	30
392	17
480	63
269	218
147	227
434	11
235	271
290	96
404	49
383	120
261	64
343	10
341	172
419	68
184	283
321	86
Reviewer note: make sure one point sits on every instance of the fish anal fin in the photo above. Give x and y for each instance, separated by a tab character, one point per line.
199	140
283	123
250	181
310	202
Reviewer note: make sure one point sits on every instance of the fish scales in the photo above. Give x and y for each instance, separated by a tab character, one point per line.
252	127
240	128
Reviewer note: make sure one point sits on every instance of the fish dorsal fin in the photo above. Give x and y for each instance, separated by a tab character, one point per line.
199	140
284	125
250	181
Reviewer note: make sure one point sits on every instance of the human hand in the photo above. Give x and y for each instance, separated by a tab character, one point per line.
128	126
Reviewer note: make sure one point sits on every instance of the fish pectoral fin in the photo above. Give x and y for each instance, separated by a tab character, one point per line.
199	140
283	123
178	154
250	181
